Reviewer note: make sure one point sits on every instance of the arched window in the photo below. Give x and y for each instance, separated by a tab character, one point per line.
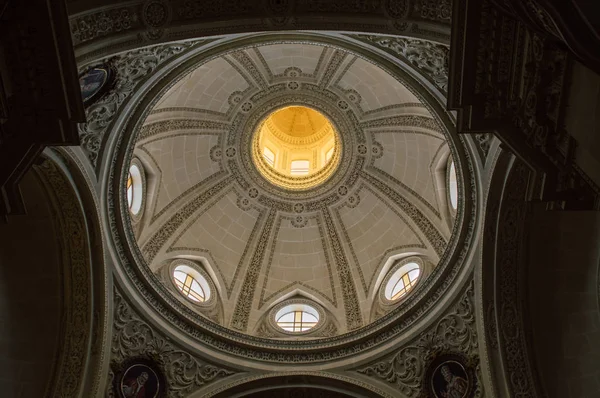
452	186
297	318
191	283
402	281
135	189
300	167
269	156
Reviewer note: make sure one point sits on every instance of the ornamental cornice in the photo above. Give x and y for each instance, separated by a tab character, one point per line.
431	59
132	68
98	32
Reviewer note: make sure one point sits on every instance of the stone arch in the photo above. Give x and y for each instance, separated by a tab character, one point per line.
309	383
65	289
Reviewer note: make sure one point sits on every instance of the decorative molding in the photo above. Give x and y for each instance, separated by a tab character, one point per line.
77	320
429	230
351	380
245	299
405	121
134	337
435	10
165	126
455	332
317	219
351	306
512	337
157	241
96	25
132	68
431	59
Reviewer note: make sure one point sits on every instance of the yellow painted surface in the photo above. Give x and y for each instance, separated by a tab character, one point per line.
295	136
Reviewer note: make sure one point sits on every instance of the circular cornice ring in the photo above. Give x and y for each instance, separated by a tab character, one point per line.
348	134
151	290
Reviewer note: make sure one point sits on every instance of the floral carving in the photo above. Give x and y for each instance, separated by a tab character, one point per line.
131	68
436	10
93	26
132	337
430	58
455	332
155	13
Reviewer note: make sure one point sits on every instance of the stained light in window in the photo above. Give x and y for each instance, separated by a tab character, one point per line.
191	283
402	281
453	186
300	167
269	156
297	318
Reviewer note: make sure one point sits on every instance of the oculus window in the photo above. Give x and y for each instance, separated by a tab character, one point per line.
134	189
452	186
297	318
402	281
191	283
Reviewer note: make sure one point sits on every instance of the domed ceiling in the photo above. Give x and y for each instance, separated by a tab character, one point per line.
332	242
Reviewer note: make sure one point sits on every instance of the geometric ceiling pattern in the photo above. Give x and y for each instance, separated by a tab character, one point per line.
261	243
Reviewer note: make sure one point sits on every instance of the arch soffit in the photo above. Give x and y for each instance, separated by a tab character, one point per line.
329	381
498	273
86	275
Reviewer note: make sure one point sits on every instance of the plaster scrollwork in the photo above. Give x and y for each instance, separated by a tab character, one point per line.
133	337
455	332
430	58
93	26
132	68
436	10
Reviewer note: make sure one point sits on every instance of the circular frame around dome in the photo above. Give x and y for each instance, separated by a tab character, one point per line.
210	334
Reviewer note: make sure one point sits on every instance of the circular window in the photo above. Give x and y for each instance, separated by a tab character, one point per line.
191	283
296	147
402	281
297	318
134	189
452	186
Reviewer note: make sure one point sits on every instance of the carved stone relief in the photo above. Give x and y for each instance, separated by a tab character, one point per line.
131	69
455	332
77	280
133	337
429	58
